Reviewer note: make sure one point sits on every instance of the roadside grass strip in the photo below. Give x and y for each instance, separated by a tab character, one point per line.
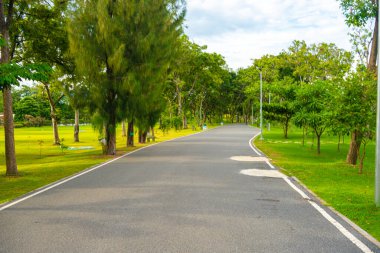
262	173
41	164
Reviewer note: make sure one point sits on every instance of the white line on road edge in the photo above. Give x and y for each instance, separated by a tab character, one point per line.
270	165
342	229
53	185
252	147
296	188
328	217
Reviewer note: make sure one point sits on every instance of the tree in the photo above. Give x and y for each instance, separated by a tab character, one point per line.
50	48
281	108
360	13
357	108
362	16
35	106
313	104
6	20
11	74
111	42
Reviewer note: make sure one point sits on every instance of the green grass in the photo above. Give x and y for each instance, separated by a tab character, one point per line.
40	165
327	175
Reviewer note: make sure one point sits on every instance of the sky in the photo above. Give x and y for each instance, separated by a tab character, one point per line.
242	30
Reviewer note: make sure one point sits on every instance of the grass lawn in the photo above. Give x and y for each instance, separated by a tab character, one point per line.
40	162
327	175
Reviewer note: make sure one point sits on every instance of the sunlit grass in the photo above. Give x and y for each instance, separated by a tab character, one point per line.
327	175
40	162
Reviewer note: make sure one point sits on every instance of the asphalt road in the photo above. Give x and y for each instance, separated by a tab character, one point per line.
185	195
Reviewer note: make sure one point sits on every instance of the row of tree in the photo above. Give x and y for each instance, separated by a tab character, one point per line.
129	61
121	61
111	56
315	88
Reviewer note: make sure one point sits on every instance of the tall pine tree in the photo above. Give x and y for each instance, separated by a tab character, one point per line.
123	48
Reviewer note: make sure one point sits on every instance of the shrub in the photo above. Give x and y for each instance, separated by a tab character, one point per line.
31	121
177	123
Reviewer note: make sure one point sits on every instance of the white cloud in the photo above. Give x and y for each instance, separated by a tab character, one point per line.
242	30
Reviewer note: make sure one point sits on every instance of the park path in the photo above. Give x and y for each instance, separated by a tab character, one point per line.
185	195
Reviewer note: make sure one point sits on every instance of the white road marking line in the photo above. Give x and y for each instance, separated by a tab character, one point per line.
296	188
53	185
252	147
262	173
270	165
342	229
249	158
328	217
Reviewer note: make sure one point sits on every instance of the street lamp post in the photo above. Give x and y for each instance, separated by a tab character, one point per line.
261	105
377	173
268	120
252	113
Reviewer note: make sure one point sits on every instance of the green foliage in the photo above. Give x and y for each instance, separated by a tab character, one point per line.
197	84
177	123
314	106
30	121
32	100
123	50
35	106
358	12
165	125
12	73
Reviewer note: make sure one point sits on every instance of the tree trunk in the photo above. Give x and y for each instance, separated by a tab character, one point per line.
152	132
111	142
140	136
53	115
76	126
361	165
184	121
319	144
179	97
286	127
123	129
303	136
144	136
356	140
111	136
339	142
204	118
373	54
10	153
131	133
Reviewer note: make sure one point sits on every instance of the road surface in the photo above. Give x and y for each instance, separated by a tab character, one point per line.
185	195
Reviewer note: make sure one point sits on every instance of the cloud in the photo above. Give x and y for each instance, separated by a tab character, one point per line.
242	30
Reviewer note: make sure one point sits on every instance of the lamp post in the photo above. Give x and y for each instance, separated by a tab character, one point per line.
377	173
252	112
261	105
268	120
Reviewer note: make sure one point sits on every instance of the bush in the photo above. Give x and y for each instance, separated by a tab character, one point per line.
18	124
31	121
177	123
165	125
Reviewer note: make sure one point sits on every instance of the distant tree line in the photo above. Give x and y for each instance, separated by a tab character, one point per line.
129	63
